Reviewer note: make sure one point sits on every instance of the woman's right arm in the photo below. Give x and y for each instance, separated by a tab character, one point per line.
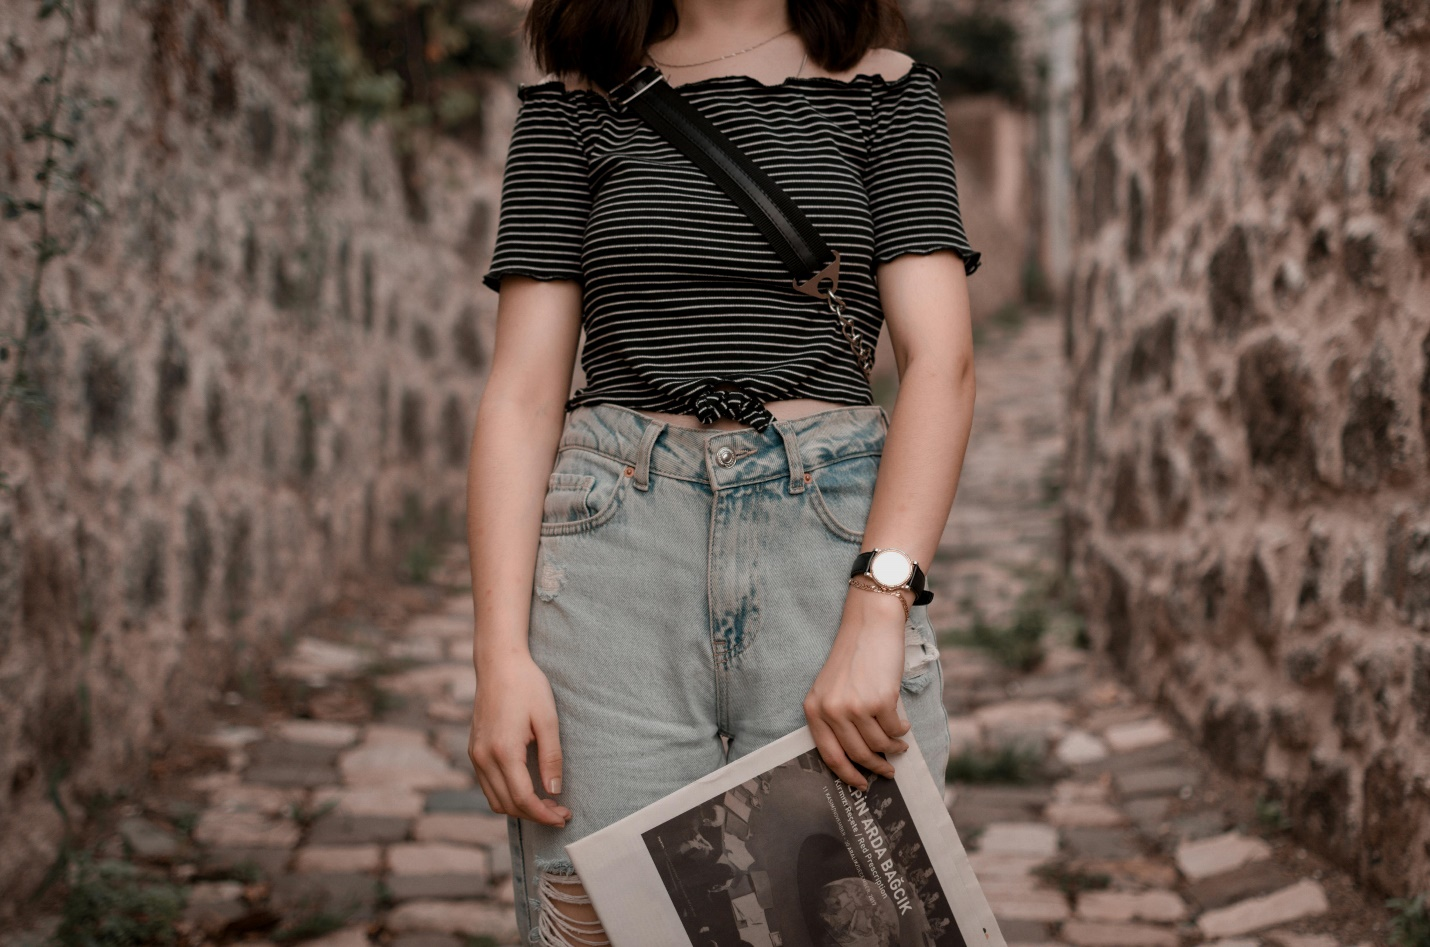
518	427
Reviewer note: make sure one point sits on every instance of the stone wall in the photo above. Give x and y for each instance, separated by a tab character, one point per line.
1248	324
286	341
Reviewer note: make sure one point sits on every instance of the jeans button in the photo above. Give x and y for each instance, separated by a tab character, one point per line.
725	457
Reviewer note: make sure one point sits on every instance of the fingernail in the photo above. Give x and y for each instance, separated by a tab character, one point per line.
553	785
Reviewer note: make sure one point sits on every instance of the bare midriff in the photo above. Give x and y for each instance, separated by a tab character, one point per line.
788	408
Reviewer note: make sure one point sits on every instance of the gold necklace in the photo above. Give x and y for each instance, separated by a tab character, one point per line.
706	62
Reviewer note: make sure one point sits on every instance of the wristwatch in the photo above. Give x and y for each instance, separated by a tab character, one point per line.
892	569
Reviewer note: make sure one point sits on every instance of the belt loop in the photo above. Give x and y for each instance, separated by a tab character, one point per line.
644	450
796	466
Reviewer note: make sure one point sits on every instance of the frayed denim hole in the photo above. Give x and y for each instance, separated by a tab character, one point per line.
549	574
920	654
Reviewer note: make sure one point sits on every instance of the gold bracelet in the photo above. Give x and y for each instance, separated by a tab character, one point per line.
874	588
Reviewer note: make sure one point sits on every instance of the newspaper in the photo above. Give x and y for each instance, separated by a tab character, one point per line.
774	850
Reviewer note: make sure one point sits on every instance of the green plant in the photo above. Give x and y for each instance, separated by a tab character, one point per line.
1018	644
1013	764
1070	879
110	904
1271	815
305	816
1411	925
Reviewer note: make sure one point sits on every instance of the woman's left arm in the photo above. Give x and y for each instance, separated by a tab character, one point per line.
852	707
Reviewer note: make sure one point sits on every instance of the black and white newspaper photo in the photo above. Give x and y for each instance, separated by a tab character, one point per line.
776	851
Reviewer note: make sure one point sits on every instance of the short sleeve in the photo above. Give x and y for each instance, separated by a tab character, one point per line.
913	192
546	192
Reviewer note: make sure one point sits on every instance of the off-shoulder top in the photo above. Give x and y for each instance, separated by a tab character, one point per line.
686	306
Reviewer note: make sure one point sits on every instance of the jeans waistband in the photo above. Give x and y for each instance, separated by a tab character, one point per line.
787	448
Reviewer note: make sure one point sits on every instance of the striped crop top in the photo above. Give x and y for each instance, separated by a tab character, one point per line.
686	306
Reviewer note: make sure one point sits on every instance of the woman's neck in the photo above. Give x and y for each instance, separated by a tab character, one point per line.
716	21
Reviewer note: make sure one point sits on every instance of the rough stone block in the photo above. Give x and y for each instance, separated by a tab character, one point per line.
1114	844
440	885
435	858
1137	735
1158	781
337	858
396	803
1203	858
1099	934
1304	899
322	733
1163	906
400	765
1079	747
1084	815
464	828
1019	838
244	830
471	918
342	828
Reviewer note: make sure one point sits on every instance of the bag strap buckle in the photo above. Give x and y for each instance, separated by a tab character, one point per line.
638	82
810	287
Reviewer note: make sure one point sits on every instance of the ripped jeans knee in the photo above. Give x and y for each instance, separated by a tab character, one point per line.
566	918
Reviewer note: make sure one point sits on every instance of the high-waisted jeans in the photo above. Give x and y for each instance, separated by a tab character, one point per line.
688	588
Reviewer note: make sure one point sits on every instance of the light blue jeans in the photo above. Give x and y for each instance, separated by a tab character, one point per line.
688	588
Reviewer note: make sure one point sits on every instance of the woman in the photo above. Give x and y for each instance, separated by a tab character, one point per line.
689	519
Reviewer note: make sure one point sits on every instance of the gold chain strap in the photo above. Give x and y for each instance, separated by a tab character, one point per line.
853	580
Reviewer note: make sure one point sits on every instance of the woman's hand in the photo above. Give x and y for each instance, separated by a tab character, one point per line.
853	705
514	705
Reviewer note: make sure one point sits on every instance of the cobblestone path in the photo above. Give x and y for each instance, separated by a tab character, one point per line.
356	820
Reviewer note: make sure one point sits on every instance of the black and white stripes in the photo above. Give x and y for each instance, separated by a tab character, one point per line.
681	291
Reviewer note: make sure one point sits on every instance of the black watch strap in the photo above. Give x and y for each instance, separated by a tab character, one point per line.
922	596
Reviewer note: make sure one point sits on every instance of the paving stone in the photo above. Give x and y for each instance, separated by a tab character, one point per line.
315	661
244	830
1072	790
1139	872
214	917
350	894
1113	844
440	626
1100	719
1025	933
435	858
1199	825
344	828
455	886
1162	906
1148	813
233	737
1137	735
1304	899
347	937
1022	722
473	918
1167	754
1290	939
1024	904
1083	815
1019	838
1157	781
458	800
964	734
460	650
1060	686
400	765
215	892
324	733
452	740
1100	934
268	861
149	841
998	865
213	782
1079	747
1250	880
429	650
385	734
465	828
337	858
1202	858
1239	942
373	800
446	710
426	940
267	800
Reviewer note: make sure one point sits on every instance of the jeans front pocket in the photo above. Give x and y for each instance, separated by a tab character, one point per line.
842	493
584	491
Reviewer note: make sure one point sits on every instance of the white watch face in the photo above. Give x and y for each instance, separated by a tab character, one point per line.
891	568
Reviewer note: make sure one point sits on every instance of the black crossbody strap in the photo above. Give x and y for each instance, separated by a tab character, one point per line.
788	230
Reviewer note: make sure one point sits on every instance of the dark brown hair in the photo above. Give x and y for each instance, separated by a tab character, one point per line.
603	40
